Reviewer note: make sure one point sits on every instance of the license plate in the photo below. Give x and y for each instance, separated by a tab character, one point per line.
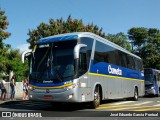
48	97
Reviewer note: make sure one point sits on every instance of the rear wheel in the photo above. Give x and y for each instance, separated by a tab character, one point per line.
135	97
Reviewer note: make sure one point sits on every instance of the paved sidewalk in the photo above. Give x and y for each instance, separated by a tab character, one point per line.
8	100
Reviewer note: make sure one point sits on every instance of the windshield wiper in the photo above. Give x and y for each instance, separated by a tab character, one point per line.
58	75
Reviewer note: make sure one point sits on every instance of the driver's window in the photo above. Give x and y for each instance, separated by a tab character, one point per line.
83	61
85	54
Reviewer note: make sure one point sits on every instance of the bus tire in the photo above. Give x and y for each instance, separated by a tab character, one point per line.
157	95
135	97
97	98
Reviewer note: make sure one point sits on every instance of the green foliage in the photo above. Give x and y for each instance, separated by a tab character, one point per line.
60	26
15	64
9	59
3	26
120	39
138	36
146	45
3	35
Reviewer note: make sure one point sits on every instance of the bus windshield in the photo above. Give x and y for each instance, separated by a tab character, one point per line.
53	62
149	79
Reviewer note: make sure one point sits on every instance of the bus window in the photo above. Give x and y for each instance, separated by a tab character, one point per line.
123	59
131	63
104	53
82	61
99	55
85	55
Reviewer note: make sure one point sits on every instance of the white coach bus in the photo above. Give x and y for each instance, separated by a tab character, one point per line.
83	67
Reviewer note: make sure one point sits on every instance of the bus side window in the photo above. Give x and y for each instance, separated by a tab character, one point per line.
131	62
83	61
87	50
124	59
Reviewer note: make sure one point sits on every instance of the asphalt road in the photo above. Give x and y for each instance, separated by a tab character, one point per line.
118	109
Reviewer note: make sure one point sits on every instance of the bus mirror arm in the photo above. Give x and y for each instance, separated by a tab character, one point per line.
24	54
77	49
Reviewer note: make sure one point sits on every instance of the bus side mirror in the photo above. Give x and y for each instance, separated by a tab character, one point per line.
25	54
77	49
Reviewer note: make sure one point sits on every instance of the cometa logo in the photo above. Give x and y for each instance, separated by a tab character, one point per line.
114	70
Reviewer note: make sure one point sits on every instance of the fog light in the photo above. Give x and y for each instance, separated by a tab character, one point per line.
70	96
31	88
31	96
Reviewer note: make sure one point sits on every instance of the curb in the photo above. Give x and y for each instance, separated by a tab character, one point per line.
8	100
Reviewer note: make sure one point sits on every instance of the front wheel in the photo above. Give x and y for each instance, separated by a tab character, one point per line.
97	98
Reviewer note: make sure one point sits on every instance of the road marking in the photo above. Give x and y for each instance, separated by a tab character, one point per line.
126	102
131	107
148	109
110	106
144	103
157	105
113	105
123	107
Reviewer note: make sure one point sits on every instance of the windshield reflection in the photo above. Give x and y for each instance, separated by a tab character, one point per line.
53	62
149	79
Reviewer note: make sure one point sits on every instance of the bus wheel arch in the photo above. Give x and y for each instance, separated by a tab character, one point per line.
97	96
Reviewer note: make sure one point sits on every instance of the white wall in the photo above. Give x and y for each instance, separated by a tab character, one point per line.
18	90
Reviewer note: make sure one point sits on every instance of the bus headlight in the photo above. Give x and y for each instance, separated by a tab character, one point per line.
31	96
30	88
72	86
70	96
69	87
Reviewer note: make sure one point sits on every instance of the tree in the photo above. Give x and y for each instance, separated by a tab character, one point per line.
60	26
3	26
3	35
119	39
146	45
138	37
15	64
9	59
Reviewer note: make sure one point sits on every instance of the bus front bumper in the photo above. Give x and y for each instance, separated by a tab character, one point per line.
53	95
150	92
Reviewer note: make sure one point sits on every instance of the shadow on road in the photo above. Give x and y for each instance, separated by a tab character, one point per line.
47	106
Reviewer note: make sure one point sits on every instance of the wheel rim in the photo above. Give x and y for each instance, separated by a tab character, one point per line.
136	95
97	98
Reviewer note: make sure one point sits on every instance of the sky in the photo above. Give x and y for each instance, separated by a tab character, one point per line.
113	16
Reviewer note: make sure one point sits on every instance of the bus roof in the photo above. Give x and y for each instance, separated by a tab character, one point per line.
76	35
152	69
